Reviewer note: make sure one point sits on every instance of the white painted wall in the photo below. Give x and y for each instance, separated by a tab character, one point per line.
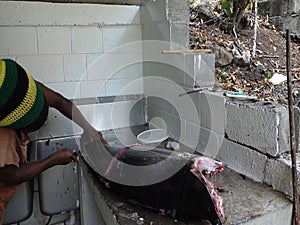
78	50
65	45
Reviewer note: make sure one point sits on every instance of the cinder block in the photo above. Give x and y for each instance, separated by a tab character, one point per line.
70	90
180	34
46	69
279	173
134	62
106	66
74	67
160	31
199	67
158	92
153	11
151	68
17	40
117	87
243	160
202	140
264	127
175	126
47	14
86	39
155	116
54	40
178	11
127	113
187	105
92	89
212	111
122	39
173	68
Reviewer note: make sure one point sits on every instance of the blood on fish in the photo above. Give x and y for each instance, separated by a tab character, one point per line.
204	168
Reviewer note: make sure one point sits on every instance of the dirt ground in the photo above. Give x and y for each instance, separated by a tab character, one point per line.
270	58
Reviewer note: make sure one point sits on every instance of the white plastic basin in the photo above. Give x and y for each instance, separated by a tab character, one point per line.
152	136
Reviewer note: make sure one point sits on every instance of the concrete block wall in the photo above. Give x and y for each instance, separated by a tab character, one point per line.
166	20
256	143
193	119
262	126
79	50
284	14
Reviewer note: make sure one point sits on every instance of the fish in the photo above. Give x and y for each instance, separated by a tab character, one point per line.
186	195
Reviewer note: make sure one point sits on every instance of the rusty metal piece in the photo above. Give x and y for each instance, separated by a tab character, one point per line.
292	130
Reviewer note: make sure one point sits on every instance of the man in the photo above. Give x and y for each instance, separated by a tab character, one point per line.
24	105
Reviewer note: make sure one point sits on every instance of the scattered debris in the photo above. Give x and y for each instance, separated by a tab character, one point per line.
237	67
277	78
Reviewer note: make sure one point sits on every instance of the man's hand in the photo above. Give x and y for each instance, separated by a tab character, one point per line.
63	157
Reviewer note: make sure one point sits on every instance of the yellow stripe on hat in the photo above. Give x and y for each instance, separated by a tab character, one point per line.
2	72
25	105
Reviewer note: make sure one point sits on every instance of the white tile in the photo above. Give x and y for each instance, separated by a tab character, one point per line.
54	40
44	68
86	39
74	67
42	13
92	89
18	40
116	38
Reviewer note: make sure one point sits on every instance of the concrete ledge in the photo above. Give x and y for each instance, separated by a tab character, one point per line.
264	127
279	173
251	203
275	172
243	160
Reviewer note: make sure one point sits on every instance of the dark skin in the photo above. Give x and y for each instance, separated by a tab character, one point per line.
13	175
68	109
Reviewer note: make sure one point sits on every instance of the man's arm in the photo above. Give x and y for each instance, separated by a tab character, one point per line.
68	109
12	175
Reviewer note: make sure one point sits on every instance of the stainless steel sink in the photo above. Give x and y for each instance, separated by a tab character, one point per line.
58	186
20	207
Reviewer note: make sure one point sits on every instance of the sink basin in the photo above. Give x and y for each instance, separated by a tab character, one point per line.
58	186
20	207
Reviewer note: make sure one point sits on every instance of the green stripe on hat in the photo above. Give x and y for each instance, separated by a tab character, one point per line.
22	100
34	112
9	76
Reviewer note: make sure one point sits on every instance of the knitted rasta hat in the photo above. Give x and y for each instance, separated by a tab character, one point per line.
22	102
